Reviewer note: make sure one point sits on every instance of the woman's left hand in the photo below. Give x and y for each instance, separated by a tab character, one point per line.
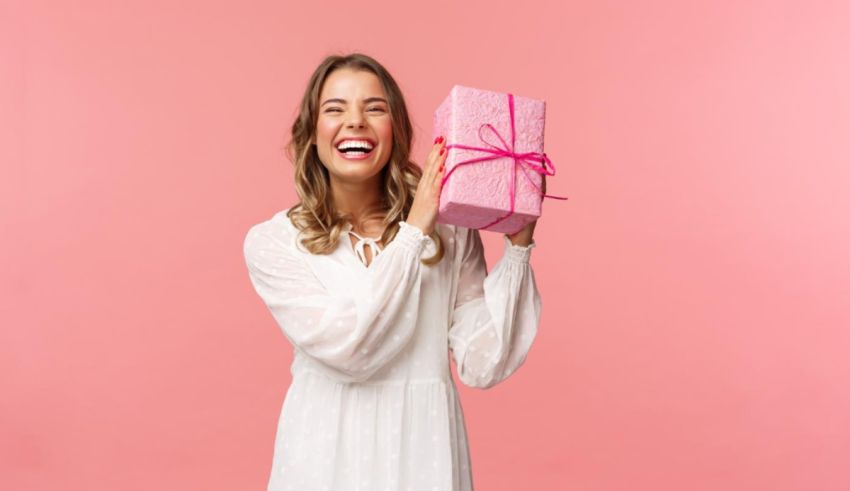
525	236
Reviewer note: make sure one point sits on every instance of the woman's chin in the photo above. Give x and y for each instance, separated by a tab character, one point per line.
358	172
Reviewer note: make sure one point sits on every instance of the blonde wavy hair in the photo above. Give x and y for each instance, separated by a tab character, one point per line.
319	223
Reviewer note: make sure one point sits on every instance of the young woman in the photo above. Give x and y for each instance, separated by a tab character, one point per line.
373	294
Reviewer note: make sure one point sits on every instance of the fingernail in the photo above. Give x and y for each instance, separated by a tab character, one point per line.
440	139
437	140
442	150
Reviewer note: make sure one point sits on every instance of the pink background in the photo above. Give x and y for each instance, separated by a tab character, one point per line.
695	285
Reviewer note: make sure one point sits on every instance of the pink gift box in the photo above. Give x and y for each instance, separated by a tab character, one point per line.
482	168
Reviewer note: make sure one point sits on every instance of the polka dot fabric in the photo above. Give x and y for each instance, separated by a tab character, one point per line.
372	404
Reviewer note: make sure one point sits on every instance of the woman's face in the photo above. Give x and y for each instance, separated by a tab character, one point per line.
353	106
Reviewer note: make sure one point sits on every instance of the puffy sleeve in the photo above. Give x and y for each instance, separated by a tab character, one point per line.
355	333
495	317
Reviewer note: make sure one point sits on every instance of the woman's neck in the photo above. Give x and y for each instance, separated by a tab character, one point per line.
362	201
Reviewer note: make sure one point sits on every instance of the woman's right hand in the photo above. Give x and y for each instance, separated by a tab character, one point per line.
426	203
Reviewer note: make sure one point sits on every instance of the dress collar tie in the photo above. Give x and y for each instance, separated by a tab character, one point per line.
359	247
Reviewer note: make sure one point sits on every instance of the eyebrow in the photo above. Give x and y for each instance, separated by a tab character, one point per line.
366	100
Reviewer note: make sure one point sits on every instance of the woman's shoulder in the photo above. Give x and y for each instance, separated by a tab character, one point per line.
448	231
458	233
276	231
456	238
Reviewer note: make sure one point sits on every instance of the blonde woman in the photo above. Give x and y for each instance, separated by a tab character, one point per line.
373	295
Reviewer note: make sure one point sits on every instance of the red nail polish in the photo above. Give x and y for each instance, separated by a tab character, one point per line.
442	150
437	140
441	139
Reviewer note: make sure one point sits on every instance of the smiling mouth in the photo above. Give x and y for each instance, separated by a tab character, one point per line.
355	152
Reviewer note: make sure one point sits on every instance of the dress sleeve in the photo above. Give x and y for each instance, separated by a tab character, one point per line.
495	316
354	333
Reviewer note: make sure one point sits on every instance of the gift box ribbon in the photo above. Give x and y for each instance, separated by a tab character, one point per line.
522	161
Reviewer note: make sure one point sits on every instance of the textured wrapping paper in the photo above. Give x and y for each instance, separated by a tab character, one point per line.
494	169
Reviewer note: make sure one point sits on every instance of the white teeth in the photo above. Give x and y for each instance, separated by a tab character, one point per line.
355	144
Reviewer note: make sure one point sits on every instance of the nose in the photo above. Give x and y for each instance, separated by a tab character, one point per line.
355	120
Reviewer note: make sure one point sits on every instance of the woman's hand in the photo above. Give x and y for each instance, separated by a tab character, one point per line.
526	236
426	203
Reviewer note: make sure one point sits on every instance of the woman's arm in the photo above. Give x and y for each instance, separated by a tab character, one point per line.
495	316
357	333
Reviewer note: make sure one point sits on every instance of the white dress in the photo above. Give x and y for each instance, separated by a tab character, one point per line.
372	404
